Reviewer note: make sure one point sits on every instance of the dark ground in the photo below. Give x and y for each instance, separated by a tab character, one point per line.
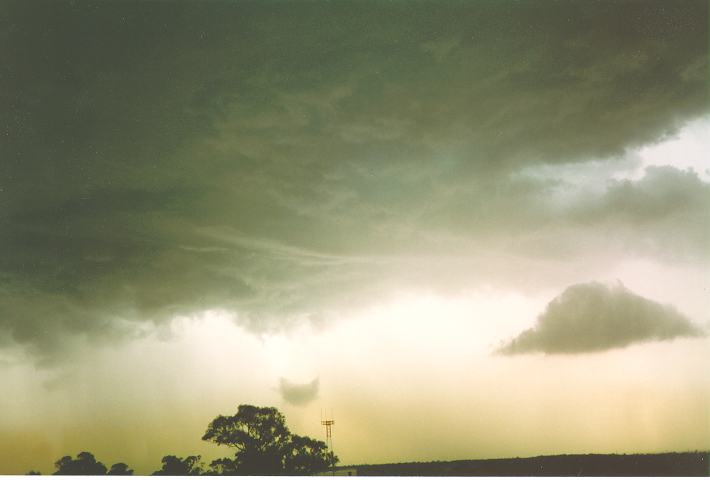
662	464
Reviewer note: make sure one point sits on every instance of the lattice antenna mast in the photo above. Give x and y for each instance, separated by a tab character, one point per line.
328	424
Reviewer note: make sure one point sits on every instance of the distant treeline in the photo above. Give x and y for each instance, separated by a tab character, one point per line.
689	464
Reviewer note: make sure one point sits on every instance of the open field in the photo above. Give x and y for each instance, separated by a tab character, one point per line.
662	464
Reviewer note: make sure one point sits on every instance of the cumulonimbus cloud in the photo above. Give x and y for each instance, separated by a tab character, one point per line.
216	174
593	317
298	393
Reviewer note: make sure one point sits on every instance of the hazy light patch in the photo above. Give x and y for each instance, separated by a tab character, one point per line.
683	285
469	323
688	149
569	180
289	356
141	400
497	407
419	330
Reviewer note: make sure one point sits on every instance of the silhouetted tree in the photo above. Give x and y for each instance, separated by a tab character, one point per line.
264	445
305	456
173	465
120	469
223	466
258	434
84	464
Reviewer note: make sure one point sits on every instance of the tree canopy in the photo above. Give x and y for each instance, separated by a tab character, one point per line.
264	445
86	464
120	469
83	464
306	456
173	465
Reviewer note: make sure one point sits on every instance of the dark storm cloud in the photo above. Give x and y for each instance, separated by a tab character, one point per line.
297	393
593	317
279	159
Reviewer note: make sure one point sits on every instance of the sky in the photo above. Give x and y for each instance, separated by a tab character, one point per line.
469	229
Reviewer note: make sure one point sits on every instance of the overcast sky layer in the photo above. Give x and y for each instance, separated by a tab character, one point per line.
310	198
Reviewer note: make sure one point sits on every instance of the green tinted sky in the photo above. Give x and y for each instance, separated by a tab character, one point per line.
359	202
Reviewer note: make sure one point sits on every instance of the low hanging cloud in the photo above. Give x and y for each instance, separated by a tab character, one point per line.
593	317
298	393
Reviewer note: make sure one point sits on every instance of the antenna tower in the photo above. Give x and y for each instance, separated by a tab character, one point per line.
328	424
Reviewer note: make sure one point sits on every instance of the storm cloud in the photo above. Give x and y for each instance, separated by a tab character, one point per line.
283	161
593	317
298	393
